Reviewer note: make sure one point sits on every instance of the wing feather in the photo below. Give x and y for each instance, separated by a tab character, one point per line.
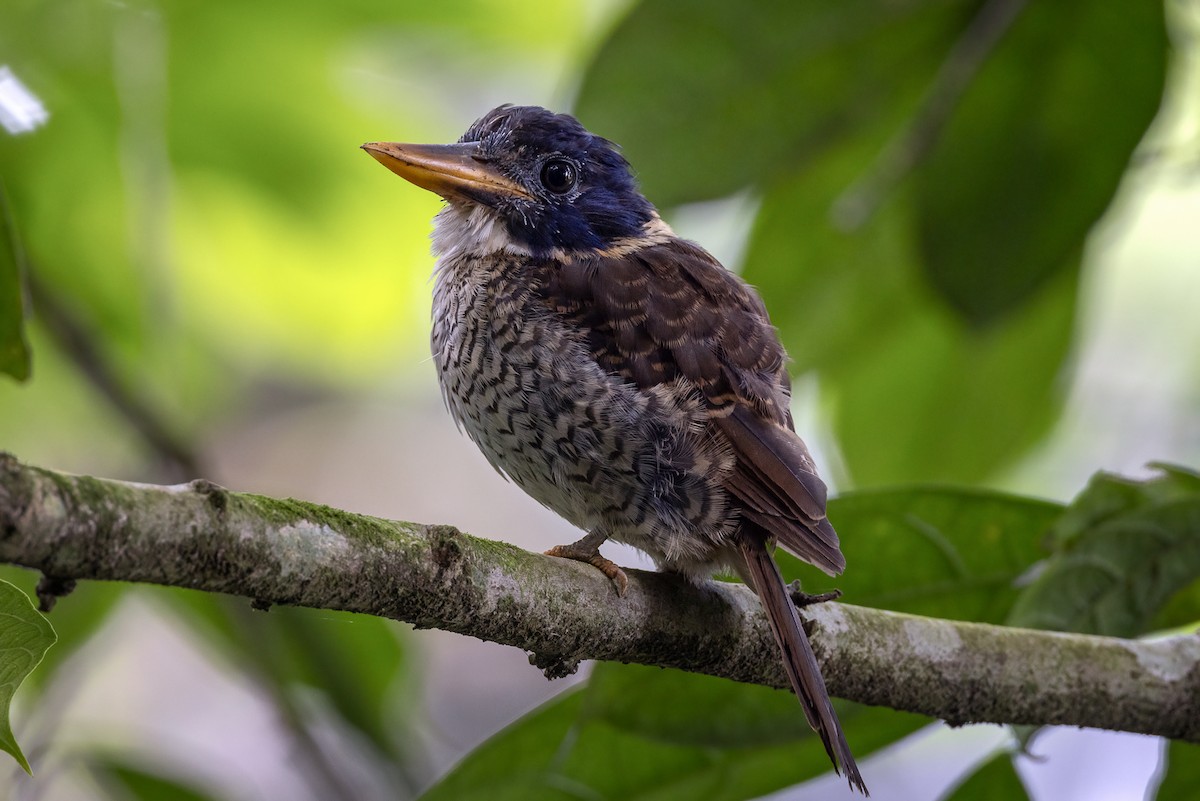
670	311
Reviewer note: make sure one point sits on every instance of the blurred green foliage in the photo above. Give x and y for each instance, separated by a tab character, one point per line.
571	748
14	350
197	211
963	551
926	175
1180	778
929	172
1122	550
1003	208
357	662
134	783
995	779
198	202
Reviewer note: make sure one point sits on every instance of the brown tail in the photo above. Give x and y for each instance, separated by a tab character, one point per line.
798	658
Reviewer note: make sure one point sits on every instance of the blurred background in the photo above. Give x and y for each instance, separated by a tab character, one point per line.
974	223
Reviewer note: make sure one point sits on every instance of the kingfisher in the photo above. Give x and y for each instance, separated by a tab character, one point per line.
617	373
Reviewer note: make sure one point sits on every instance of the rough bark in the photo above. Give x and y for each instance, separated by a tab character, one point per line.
274	551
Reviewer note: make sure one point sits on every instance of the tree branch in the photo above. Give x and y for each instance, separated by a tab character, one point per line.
204	537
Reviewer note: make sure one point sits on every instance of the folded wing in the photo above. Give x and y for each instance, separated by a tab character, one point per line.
669	311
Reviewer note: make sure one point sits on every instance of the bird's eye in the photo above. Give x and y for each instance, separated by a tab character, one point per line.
559	176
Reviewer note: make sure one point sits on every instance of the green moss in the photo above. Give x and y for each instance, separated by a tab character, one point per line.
278	512
510	558
103	502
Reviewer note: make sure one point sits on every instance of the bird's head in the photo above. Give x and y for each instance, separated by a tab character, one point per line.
527	180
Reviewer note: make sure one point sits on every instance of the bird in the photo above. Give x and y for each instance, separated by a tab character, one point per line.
618	373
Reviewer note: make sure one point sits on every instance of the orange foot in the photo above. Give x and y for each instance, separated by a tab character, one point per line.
588	550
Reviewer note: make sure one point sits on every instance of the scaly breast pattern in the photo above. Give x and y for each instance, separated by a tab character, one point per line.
641	466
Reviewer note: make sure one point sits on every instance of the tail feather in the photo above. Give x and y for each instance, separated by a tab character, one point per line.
798	658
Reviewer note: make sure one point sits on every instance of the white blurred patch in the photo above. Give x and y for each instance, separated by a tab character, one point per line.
20	109
722	227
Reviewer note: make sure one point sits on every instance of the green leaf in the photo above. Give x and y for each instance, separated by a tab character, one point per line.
210	213
937	402
951	553
521	761
136	783
836	293
1181	611
802	105
1179	775
691	709
995	780
25	636
1035	149
77	618
1122	549
14	350
570	748
1110	497
733	94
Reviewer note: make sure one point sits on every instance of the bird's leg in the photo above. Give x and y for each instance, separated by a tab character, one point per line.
802	599
588	550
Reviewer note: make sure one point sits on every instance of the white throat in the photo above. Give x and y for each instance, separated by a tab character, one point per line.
471	229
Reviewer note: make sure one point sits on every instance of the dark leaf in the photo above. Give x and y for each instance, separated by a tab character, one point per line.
14	350
692	709
1034	150
952	553
918	396
1122	549
574	746
1179	774
732	94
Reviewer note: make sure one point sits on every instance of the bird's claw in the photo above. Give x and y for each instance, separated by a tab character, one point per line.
606	566
802	599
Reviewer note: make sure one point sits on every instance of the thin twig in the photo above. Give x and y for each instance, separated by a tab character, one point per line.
179	462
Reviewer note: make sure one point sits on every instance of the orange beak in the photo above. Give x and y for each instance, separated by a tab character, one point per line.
452	171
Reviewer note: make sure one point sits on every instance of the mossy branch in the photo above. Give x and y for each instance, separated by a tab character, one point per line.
204	537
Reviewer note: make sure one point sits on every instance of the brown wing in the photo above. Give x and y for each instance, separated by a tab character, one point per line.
670	311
